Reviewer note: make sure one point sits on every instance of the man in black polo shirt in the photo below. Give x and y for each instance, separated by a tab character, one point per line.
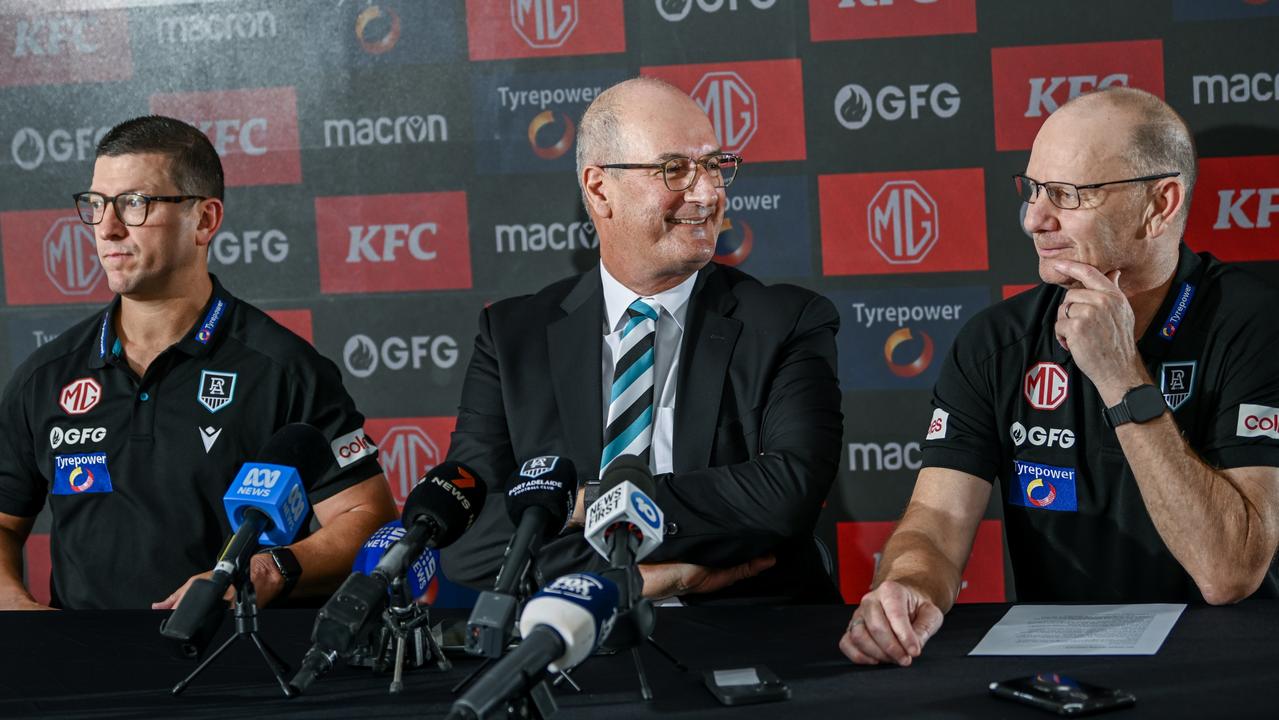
1128	405
132	424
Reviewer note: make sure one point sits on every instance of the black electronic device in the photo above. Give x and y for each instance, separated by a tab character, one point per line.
1061	694
746	685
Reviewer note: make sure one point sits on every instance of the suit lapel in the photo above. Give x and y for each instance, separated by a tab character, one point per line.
574	344
709	338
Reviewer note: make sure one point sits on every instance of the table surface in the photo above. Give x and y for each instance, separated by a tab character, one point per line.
1217	662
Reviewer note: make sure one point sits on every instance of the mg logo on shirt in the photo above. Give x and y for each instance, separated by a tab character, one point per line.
731	105
80	396
1045	386
505	29
408	448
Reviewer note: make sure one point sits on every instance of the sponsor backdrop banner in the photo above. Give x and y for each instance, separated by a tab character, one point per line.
395	165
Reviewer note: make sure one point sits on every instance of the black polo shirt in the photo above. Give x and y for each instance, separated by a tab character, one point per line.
1010	403
134	469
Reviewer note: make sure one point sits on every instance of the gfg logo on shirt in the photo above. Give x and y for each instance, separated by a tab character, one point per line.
352	446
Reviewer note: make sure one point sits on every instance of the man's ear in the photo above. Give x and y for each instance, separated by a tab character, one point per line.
209	221
1165	203
595	191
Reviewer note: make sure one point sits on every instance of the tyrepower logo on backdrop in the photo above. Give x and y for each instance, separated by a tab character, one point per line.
50	257
757	108
923	221
254	131
505	29
408	447
1235	212
862	19
58	48
390	243
765	230
1032	82
861	547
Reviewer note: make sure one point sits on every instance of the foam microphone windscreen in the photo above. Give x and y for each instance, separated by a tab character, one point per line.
628	468
299	446
451	495
548	482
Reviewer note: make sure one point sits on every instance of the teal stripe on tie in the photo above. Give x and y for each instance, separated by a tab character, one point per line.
637	368
623	440
643	308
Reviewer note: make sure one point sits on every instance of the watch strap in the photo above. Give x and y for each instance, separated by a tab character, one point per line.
591	493
288	566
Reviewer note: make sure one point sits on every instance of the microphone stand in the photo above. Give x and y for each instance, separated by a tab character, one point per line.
246	626
636	616
405	636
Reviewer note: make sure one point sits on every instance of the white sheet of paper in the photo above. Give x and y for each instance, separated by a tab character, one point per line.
1081	630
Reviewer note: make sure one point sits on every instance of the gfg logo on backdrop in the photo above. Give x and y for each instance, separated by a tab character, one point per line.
677	10
756	108
62	268
922	221
1236	208
862	19
58	48
31	147
503	29
1032	82
856	106
388	243
408	448
363	355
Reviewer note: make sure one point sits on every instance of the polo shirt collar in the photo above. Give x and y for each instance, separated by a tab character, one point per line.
618	297
199	340
1176	307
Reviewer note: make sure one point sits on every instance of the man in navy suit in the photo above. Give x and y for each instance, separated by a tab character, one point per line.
727	387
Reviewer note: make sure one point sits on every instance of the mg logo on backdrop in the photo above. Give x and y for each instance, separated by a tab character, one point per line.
1046	386
59	48
505	29
862	19
408	448
50	257
1236	208
922	221
756	108
861	546
1032	82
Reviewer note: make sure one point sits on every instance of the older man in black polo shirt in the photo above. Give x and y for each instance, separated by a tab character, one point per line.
132	423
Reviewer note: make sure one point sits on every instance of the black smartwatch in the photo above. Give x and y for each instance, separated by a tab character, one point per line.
1140	404
591	494
290	569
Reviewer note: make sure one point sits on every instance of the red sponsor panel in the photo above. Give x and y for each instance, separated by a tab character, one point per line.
297	321
408	447
59	48
254	131
861	545
1235	212
50	257
903	222
1011	290
757	107
859	19
505	29
1031	82
39	566
389	243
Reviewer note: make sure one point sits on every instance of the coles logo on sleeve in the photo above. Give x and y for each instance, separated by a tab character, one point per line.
1044	487
408	447
862	19
352	446
58	48
78	474
390	243
1030	83
1046	385
254	131
937	426
1235	211
923	221
861	548
506	29
50	257
1258	421
757	108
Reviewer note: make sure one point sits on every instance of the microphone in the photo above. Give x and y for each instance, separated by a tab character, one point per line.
624	524
266	505
562	625
539	500
419	573
441	507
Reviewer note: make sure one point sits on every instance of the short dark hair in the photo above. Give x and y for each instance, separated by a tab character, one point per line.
194	166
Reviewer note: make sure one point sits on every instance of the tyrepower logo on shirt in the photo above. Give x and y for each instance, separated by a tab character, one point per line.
1258	421
506	29
390	243
756	108
1030	83
1043	487
254	131
408	447
882	223
862	19
50	257
1235	212
861	548
58	48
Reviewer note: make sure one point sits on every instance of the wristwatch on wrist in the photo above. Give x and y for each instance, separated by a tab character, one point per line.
290	569
591	494
1140	404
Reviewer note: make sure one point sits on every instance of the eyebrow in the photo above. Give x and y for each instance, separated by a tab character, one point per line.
673	155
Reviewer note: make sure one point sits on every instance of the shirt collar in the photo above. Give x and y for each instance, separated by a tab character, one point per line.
618	297
1170	319
209	327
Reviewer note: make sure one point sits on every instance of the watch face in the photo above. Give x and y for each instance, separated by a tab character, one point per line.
1145	403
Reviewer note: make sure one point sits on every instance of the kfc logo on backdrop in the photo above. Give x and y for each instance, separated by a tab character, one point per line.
924	221
1235	212
254	131
1032	82
861	548
757	108
80	396
863	19
58	48
50	257
1046	386
408	448
505	29
390	243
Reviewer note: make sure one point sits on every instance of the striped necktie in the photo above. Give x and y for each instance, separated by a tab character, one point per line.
630	406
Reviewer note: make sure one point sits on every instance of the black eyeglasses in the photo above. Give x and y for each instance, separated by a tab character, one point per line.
679	173
130	208
1066	195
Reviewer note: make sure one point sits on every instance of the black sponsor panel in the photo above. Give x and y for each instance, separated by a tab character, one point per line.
682	31
265	249
1011	22
1013	259
28	330
881	453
